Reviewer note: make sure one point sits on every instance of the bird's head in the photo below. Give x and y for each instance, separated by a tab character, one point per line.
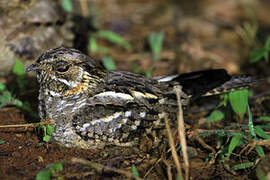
66	71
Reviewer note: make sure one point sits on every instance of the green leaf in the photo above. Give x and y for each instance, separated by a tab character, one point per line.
266	126
155	41
264	118
114	38
257	55
2	142
260	132
51	170
67	5
216	115
93	46
260	174
46	138
267	43
16	102
233	144
260	151
18	68
108	62
243	166
2	86
178	177
149	71
59	166
250	123
135	171
49	129
44	175
239	101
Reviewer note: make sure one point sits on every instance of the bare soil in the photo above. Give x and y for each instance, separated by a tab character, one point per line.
198	35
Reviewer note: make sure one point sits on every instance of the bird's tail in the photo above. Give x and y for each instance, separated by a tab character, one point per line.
236	82
210	82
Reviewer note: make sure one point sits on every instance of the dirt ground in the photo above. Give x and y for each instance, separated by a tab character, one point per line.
198	35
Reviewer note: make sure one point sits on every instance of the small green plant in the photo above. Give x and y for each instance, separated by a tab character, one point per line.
260	174
6	98
243	166
155	41
46	131
215	116
110	36
244	133
108	62
67	6
18	70
258	54
135	171
239	102
52	170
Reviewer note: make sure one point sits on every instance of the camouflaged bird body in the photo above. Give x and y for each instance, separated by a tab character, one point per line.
93	107
116	114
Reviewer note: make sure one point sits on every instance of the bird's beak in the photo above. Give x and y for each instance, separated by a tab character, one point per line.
32	67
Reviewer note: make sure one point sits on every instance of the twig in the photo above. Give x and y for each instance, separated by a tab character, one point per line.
84	7
210	131
171	142
203	144
47	122
148	172
253	144
181	130
169	172
101	168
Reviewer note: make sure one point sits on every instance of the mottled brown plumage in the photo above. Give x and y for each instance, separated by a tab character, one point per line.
93	107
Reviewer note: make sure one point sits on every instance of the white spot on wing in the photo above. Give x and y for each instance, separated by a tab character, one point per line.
124	121
107	119
143	95
161	101
142	114
167	78
128	113
137	123
113	94
86	125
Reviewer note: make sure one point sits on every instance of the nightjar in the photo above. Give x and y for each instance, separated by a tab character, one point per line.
93	107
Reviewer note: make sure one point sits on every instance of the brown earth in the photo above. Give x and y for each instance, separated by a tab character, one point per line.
198	35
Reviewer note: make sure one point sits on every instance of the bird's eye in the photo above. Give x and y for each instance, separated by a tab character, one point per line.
62	68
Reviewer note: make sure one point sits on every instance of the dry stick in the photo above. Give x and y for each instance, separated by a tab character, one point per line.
47	122
251	145
100	167
210	131
169	172
84	7
148	172
171	142
181	130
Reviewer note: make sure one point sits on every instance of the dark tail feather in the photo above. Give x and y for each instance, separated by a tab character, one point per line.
200	82
211	82
235	83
